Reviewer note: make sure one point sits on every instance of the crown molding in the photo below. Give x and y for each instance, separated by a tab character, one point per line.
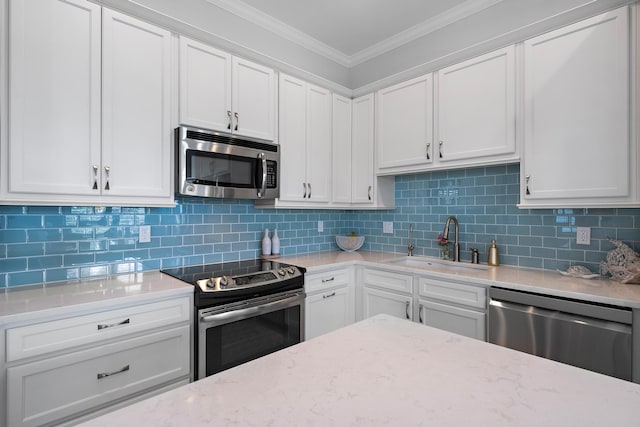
288	32
266	21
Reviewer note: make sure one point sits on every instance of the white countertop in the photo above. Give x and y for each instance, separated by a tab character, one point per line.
601	290
19	303
388	371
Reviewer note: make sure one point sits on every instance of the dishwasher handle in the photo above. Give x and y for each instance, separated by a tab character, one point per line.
560	316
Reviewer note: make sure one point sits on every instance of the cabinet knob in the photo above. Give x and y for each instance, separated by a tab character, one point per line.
420	312
440	150
526	181
229	116
428	151
333	294
309	195
304	185
369	193
237	116
407	309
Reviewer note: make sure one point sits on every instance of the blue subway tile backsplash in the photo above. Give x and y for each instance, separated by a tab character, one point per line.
48	244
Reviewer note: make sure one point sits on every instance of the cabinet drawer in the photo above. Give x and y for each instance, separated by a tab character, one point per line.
56	388
458	320
320	281
469	295
388	280
62	334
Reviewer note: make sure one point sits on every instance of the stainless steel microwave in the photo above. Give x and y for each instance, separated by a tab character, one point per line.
216	164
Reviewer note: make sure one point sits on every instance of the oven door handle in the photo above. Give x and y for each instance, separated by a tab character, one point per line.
254	310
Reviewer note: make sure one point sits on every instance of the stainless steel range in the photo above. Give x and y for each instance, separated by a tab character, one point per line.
244	310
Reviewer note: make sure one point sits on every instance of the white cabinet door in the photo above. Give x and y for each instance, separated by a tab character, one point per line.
341	148
362	142
205	86
376	301
476	108
577	148
292	133
54	74
327	311
405	125
319	101
458	320
253	99
136	101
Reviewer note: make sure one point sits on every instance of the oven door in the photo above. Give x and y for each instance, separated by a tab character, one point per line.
237	333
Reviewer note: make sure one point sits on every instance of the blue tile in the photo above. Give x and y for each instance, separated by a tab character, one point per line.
25	250
13	236
44	235
23	221
60	248
78	259
25	278
44	262
11	265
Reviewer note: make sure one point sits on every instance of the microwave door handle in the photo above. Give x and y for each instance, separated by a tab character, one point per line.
263	186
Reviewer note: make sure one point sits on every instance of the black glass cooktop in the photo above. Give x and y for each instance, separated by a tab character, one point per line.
192	274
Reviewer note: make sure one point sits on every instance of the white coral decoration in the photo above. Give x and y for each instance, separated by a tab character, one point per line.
622	263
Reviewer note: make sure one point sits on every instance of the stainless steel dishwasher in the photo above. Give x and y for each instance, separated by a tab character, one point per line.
592	336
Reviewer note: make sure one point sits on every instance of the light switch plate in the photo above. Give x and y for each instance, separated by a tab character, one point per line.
583	235
144	234
320	226
387	227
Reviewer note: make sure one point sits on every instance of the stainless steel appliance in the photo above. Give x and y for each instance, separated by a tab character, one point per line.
215	164
596	337
244	310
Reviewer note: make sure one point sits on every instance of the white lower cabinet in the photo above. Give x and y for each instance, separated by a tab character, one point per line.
386	292
60	369
452	306
330	301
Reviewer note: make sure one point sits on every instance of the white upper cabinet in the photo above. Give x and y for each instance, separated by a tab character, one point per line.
136	122
363	189
404	139
305	142
225	93
205	86
89	117
342	148
54	127
476	110
579	148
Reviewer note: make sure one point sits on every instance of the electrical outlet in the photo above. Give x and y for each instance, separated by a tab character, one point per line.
320	226
387	227
583	235
144	234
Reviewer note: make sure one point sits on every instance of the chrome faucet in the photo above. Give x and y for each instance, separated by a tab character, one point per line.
410	246
445	234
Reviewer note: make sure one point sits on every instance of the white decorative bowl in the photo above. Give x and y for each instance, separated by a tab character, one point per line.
350	243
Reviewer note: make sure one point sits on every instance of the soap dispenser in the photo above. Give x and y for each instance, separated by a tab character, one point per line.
494	256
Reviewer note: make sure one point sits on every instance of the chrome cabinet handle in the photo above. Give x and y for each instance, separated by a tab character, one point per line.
229	116
328	280
304	184
95	177
309	195
526	180
107	169
333	294
369	193
420	312
124	322
407	309
237	116
428	151
440	150
102	375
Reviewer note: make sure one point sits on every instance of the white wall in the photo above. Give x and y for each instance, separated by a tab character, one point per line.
505	23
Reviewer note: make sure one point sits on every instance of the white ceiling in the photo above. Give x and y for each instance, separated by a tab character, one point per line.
352	31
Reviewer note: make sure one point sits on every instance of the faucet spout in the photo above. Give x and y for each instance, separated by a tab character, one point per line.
410	246
456	243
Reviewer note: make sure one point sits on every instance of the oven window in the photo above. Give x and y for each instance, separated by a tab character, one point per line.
222	170
238	342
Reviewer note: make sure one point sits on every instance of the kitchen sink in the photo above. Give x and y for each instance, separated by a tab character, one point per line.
430	263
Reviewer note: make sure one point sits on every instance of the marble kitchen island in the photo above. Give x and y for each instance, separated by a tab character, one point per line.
388	371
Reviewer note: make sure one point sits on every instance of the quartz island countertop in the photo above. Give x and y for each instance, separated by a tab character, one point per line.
388	371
